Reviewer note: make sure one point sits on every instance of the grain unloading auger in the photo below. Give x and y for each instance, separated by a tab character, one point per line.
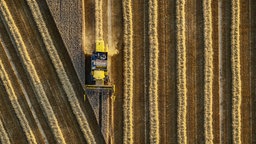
99	78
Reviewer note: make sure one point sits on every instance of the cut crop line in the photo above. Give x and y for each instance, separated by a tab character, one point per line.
153	72
128	72
236	75
181	80
23	52
3	134
24	92
208	70
15	104
77	110
98	20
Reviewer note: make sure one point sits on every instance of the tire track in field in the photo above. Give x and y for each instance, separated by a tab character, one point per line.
128	72
236	75
153	72
181	70
41	96
82	120
15	104
208	72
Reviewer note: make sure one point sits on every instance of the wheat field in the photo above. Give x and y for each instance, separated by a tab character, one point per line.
32	72
184	71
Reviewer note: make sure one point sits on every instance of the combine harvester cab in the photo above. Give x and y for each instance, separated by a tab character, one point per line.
99	79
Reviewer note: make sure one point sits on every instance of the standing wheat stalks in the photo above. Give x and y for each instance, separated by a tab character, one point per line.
153	72
128	72
208	70
236	79
181	81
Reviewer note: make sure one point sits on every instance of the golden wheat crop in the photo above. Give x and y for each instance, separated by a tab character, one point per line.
15	104
3	134
23	52
77	110
236	76
153	72
181	70
208	72
128	72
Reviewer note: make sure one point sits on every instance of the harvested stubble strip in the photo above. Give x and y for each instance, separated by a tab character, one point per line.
25	94
153	72
181	70
98	20
128	72
23	52
15	104
77	110
236	75
208	70
3	134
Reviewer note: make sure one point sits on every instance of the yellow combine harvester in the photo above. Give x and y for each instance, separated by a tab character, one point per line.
99	79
